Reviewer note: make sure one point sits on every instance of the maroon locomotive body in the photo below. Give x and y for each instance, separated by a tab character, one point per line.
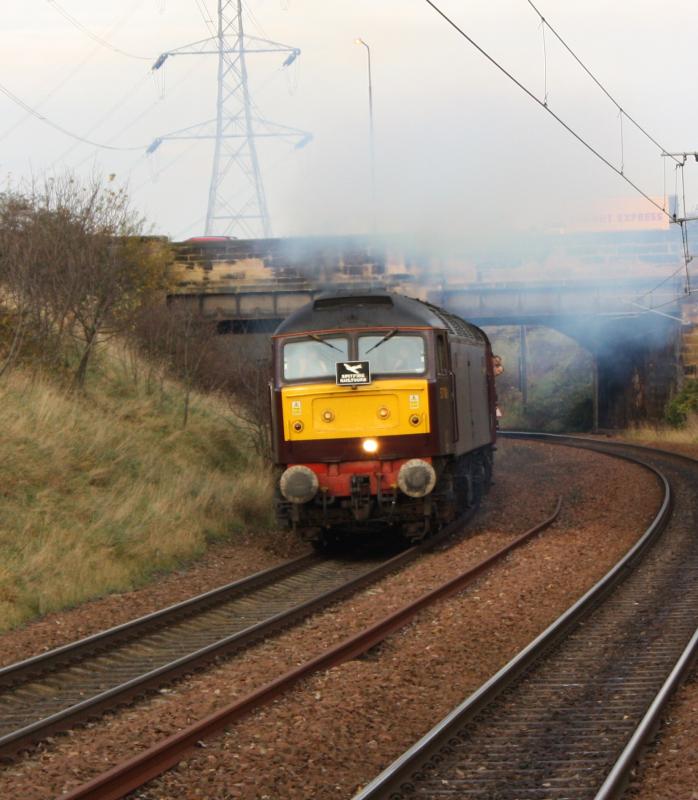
383	413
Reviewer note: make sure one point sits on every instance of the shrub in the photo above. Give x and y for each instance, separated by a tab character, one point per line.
682	405
74	269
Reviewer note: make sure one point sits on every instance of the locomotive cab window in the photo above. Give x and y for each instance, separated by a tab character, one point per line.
392	353
441	354
314	358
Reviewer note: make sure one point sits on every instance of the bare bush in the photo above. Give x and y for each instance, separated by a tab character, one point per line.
175	340
242	365
74	266
15	275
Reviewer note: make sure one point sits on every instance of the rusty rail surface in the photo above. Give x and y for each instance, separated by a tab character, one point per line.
137	771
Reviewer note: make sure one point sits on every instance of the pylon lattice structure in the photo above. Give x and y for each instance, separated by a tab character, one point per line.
237	201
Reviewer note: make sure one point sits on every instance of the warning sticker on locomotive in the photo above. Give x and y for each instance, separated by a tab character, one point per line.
296	408
414	401
353	373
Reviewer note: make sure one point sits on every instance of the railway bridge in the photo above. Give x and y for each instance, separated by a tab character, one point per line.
638	333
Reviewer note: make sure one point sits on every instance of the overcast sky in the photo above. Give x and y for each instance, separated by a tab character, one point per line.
459	148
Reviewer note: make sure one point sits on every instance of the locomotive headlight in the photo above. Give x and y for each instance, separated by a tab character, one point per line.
370	445
298	484
416	478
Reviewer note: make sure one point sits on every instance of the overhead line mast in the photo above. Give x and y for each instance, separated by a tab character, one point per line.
236	126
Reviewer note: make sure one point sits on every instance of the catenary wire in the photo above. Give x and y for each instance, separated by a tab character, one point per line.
622	143
545	63
622	113
673	300
492	60
679	164
683	224
533	97
596	80
661	283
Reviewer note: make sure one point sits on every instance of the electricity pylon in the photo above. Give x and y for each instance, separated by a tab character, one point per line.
237	202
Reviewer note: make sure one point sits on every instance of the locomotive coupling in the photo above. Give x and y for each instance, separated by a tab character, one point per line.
298	484
416	478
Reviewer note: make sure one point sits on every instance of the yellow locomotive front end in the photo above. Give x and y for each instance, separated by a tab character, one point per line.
320	411
353	427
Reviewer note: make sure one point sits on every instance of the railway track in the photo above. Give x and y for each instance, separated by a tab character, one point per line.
513	767
569	715
137	771
52	691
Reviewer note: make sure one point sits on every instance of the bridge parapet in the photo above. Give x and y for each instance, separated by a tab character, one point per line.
530	301
230	279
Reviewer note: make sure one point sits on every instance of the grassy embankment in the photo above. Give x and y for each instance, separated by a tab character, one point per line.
100	491
680	424
686	435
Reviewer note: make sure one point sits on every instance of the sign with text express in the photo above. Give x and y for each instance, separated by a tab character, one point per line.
353	373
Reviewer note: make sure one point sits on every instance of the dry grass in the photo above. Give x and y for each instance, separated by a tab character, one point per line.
99	492
688	434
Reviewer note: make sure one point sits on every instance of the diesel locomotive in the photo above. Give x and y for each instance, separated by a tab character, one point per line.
383	414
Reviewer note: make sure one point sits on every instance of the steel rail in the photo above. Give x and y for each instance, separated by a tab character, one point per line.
396	774
26	735
134	773
617	778
48	661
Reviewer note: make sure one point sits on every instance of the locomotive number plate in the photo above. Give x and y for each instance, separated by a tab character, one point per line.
353	373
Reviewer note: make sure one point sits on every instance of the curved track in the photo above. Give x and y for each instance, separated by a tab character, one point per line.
134	773
54	690
557	721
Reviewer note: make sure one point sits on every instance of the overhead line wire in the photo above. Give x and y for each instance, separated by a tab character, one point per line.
674	299
205	15
578	137
103	42
661	283
597	81
547	108
71	74
128	95
683	224
187	75
18	101
680	163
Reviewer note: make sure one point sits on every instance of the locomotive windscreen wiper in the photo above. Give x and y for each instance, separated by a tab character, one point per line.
324	341
384	339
